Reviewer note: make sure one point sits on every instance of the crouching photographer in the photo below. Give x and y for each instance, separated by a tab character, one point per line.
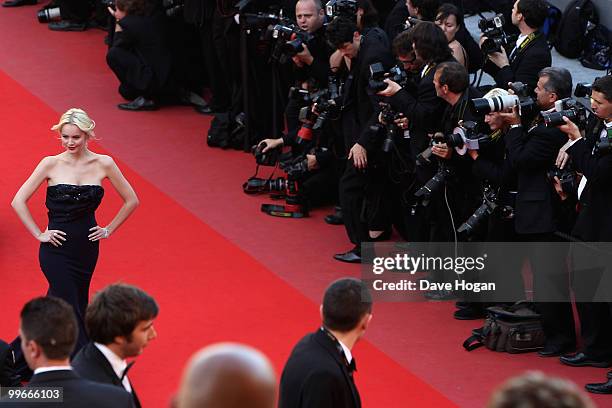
315	151
532	148
590	152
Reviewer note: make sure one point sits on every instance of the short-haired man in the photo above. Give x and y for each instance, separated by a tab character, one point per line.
48	332
228	375
119	322
594	223
530	54
319	371
532	149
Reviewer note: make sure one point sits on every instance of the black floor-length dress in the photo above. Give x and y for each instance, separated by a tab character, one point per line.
69	267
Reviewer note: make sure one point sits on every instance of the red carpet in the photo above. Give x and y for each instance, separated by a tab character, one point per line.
219	269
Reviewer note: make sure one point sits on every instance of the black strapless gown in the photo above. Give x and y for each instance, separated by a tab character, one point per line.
69	268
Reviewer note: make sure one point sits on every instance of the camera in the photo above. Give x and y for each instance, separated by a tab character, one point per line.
567	178
604	146
269	158
521	99
257	185
583	89
173	8
388	116
325	103
378	75
290	40
296	168
49	14
434	184
491	202
572	109
492	28
343	8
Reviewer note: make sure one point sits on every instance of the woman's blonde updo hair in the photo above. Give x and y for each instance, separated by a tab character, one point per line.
79	118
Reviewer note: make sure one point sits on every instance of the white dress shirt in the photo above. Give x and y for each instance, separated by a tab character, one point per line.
117	363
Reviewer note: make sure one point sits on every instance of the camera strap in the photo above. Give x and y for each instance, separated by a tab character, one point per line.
526	42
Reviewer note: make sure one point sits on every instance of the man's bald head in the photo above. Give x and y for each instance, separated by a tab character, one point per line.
228	375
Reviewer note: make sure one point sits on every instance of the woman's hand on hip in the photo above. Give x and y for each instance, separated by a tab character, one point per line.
98	233
54	237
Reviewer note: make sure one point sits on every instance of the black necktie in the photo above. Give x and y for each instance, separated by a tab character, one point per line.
126	371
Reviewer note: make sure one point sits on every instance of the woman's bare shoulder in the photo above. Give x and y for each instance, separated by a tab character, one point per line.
103	159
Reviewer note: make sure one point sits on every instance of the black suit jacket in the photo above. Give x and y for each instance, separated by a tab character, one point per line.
77	392
594	222
360	106
91	364
315	376
532	154
525	66
147	37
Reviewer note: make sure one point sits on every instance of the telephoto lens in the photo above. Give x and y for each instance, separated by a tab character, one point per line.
48	15
495	104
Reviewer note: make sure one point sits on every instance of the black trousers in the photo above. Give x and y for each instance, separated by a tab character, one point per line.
135	76
362	201
551	278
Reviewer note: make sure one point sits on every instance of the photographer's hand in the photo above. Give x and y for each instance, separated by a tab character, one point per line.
312	162
271	144
359	156
511	118
391	89
562	159
297	61
570	129
305	56
441	150
473	154
402	122
559	189
499	58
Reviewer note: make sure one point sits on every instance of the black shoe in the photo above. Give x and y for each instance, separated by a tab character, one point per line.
555	351
439	295
600	388
384	236
204	110
334	219
582	360
66	25
469	313
352	256
19	3
139	104
462	305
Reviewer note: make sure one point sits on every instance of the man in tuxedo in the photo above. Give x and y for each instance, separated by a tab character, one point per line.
119	321
227	375
594	224
48	332
532	148
319	371
530	54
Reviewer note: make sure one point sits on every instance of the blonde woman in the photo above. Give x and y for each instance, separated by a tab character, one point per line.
69	243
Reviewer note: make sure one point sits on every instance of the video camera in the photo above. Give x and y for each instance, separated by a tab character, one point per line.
378	75
521	98
570	108
493	29
341	8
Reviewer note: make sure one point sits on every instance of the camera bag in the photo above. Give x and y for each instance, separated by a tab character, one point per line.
511	329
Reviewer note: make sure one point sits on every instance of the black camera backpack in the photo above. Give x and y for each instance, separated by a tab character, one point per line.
578	18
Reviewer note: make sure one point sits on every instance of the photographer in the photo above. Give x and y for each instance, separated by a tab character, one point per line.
360	49
311	65
594	223
532	149
530	53
140	56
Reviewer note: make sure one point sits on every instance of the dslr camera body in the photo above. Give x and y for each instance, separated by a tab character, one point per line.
341	8
570	108
493	29
378	75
